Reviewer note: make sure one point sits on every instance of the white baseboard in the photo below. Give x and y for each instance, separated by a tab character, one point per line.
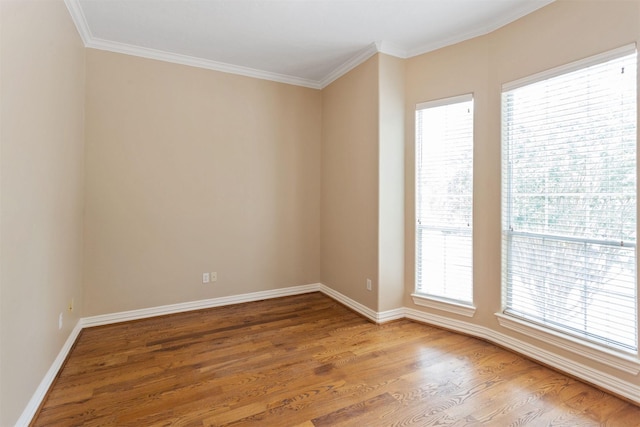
125	316
374	316
595	377
625	363
37	398
389	315
86	322
352	304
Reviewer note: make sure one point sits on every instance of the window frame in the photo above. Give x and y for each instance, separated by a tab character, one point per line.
420	297
579	343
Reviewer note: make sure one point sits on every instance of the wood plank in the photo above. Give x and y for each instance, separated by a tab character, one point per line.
308	361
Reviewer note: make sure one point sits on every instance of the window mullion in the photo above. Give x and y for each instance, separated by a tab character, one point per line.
444	166
569	185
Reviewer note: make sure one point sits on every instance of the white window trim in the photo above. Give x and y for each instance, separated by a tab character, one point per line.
444	101
432	301
454	307
627	362
619	359
573	66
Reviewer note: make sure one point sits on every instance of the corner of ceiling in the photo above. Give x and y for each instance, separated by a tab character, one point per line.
80	21
350	64
77	15
191	61
388	48
457	38
392	49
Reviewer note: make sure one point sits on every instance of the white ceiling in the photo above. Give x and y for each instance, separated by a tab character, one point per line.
304	42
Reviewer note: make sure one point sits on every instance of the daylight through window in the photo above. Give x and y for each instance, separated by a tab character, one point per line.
444	198
569	199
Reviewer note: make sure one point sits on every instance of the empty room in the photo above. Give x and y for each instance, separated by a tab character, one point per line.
319	213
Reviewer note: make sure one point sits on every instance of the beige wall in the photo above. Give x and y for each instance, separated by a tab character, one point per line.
391	173
458	70
349	242
189	171
562	32
41	175
363	183
270	185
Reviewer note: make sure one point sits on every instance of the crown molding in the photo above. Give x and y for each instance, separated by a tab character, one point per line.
80	21
192	61
350	64
392	49
75	10
385	47
77	15
430	47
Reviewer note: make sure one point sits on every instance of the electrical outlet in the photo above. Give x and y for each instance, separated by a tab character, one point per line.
206	277
60	321
368	284
214	276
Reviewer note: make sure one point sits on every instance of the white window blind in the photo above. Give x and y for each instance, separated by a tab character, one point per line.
444	198
569	200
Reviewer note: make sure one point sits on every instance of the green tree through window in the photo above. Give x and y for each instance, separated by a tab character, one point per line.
569	201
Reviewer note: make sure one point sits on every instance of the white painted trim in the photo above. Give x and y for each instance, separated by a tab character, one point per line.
75	10
192	61
374	316
444	101
570	67
223	67
50	376
125	316
445	322
385	47
444	305
620	361
36	400
78	18
596	377
349	65
352	304
430	47
392	49
571	367
389	315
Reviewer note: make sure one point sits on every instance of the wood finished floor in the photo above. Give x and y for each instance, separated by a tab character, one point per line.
308	361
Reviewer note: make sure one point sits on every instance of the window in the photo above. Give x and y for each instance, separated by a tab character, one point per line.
444	198
569	199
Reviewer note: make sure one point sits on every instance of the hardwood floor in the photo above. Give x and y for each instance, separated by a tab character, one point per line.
308	361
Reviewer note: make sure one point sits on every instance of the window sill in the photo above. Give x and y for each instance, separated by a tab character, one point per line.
444	305
623	361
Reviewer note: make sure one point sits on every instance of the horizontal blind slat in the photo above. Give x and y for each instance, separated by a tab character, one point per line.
444	198
569	196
